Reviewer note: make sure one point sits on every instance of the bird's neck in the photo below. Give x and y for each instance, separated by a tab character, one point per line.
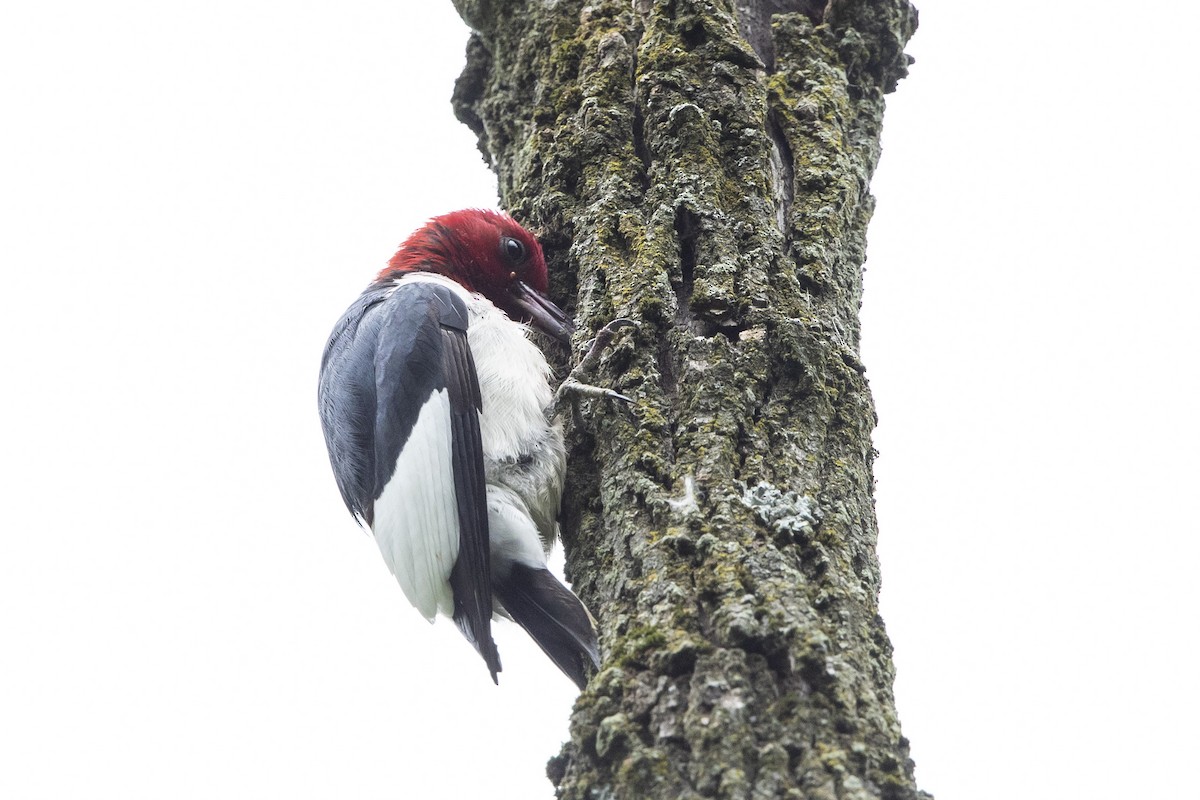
406	271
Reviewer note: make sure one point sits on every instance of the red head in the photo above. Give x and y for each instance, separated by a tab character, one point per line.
489	253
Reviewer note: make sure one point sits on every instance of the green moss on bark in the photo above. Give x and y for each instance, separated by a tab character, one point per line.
722	528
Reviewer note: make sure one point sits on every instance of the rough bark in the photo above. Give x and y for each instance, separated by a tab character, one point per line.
702	168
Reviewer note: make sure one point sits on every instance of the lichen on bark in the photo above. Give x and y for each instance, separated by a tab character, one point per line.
703	168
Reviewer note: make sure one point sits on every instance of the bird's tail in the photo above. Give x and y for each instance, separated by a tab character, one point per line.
553	616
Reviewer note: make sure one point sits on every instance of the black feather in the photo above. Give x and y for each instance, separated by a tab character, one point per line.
554	617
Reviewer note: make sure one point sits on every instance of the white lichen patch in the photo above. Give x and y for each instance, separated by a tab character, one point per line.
788	513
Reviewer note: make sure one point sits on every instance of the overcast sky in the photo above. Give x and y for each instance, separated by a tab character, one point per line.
192	193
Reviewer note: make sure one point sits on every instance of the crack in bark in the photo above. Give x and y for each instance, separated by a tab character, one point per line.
783	173
686	229
754	21
639	118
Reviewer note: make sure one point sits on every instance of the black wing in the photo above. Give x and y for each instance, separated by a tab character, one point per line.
400	405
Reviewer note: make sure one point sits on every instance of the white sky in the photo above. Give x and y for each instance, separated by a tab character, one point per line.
192	193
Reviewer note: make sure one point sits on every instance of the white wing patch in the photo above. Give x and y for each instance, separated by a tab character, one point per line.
416	516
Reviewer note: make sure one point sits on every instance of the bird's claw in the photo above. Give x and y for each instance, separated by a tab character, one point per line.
619	323
574	386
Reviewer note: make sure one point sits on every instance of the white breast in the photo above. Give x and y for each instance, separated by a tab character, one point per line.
513	381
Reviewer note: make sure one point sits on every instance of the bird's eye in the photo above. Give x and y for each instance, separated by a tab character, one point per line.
513	250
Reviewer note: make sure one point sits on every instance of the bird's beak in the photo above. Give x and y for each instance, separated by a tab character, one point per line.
547	317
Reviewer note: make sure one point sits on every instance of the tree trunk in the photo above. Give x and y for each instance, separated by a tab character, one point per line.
702	168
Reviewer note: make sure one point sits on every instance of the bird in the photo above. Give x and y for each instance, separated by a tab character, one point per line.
437	412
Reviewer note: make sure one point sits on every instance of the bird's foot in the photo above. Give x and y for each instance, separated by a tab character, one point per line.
575	385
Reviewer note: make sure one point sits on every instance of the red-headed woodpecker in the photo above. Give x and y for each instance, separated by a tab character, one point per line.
437	411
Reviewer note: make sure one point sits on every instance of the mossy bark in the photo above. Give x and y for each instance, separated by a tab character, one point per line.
702	168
